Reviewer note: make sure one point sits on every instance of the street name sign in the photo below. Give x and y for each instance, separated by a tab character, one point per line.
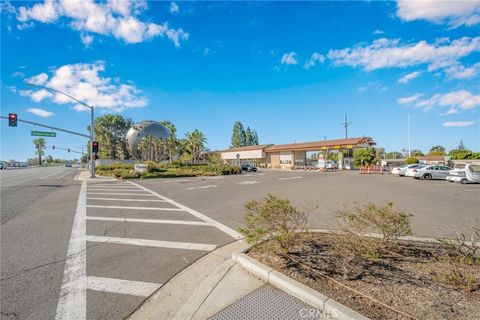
43	134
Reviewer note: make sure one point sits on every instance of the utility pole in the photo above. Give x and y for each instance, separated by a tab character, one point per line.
92	118
346	124
409	138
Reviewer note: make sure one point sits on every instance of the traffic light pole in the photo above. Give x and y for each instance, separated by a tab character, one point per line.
92	138
50	127
92	129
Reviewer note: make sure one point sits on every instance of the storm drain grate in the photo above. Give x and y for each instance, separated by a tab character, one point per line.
267	303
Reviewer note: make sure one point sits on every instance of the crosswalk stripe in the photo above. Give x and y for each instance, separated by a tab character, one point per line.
153	243
123	194
133	208
135	200
192	223
134	288
114	189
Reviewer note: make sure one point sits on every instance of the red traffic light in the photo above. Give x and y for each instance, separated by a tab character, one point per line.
12	119
95	146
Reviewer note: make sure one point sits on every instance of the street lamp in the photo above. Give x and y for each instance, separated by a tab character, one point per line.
92	130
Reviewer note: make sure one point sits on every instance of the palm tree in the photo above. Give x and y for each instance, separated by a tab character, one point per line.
172	144
195	143
39	144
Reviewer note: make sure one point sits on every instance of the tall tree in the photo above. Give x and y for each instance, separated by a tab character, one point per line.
39	144
254	138
417	153
110	130
195	144
248	137
437	151
172	144
238	135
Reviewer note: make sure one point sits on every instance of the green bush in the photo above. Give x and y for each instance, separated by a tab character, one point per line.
411	160
364	156
274	219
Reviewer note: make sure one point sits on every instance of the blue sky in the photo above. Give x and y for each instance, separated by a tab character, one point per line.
288	70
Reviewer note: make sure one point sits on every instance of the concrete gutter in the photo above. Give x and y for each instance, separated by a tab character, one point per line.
328	306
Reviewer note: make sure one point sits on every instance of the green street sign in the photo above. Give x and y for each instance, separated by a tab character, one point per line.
44	134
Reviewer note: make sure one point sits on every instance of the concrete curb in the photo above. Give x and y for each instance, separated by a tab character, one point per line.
328	306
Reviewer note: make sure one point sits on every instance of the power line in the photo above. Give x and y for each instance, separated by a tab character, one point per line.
346	124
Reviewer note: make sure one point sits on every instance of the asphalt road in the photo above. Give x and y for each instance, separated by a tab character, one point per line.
97	249
92	249
37	210
439	208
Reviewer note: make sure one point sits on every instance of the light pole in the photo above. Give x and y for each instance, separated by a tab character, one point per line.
92	118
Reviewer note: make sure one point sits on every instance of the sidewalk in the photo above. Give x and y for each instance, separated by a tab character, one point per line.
216	287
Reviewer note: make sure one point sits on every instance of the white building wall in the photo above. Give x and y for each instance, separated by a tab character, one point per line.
252	154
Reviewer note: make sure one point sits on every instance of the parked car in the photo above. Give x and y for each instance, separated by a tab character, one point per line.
68	164
464	173
432	172
3	165
331	165
411	172
400	171
249	168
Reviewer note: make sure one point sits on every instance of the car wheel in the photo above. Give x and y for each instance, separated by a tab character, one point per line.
464	181
427	176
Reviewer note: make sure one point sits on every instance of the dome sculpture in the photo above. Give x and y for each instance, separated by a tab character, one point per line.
143	129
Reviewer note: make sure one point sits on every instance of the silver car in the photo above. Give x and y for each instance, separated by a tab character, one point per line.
432	172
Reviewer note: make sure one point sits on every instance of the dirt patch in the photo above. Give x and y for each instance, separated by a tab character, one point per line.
402	280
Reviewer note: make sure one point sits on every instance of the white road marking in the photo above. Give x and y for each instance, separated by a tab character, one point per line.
114	189
135	200
248	182
289	178
133	208
471	189
122	194
153	243
72	302
191	223
134	288
197	214
63	175
202	187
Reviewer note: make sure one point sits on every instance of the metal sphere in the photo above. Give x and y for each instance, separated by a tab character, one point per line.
143	129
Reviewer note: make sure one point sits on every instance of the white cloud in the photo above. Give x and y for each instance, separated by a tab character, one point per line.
378	31
459	71
289	58
40	79
391	53
458	124
409	99
456	101
84	82
86	39
409	76
18	74
373	86
40	112
117	18
316	57
454	13
174	8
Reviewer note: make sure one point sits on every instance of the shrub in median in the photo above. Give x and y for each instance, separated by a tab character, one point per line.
275	219
411	160
352	244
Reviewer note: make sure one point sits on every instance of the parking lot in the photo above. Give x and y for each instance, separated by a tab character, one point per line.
439	208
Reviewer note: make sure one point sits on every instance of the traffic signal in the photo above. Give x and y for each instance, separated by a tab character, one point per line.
53	147
12	119
95	157
95	146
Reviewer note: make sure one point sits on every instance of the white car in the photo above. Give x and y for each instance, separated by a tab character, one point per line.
411	171
400	171
432	172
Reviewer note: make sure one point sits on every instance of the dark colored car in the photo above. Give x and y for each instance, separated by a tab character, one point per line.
249	168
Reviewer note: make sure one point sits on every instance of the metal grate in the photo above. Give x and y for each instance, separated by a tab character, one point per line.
267	303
